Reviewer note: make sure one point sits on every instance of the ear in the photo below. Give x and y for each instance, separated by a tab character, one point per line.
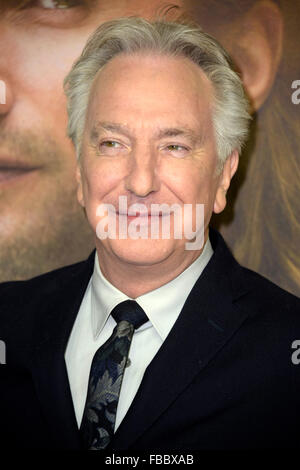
256	47
79	185
229	169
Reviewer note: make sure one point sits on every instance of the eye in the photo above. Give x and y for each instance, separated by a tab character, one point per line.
177	150
110	147
56	13
57	3
110	144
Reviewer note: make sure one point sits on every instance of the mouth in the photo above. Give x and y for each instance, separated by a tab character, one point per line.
140	214
11	170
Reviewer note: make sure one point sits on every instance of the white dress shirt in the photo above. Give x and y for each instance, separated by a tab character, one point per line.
94	325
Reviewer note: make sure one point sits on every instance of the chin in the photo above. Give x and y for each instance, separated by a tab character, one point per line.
142	252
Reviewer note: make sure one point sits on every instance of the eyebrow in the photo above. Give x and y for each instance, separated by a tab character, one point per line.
187	132
109	127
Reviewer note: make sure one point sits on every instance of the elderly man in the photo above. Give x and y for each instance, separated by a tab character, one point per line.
156	341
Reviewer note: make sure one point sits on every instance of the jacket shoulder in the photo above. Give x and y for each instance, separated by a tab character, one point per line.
21	300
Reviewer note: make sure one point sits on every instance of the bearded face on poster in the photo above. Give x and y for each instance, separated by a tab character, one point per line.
41	225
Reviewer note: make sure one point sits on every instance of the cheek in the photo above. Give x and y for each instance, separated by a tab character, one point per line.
99	180
92	187
41	58
191	184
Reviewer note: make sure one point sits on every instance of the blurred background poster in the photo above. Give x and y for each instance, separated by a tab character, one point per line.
41	225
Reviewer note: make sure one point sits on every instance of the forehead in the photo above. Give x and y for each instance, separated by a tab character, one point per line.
149	88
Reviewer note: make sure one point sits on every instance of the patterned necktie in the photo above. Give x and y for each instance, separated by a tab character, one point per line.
107	370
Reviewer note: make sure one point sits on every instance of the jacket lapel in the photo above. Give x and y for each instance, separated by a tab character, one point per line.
48	363
209	318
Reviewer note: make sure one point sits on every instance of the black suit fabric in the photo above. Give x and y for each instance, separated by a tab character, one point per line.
222	379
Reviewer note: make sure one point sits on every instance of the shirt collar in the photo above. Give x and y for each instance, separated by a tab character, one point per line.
162	305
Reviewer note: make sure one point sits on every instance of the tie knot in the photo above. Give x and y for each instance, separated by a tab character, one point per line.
130	311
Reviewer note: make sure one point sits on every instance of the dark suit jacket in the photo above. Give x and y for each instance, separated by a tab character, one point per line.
223	378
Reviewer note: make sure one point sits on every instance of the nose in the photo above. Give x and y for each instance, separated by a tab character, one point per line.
142	178
6	95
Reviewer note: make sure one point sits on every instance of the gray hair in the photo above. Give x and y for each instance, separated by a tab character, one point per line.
133	35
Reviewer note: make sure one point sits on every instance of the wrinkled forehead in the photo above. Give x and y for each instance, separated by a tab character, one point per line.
151	90
150	72
145	64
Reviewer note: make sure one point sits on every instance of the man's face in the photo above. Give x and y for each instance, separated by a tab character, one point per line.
41	225
149	137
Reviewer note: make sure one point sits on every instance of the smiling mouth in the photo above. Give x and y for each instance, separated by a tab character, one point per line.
140	214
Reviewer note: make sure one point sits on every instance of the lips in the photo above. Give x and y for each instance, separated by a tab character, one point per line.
11	169
141	214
